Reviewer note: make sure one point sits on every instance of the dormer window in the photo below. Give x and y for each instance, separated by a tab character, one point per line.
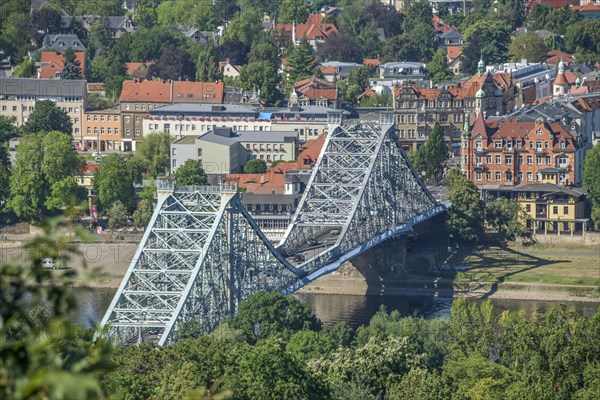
563	144
478	144
498	144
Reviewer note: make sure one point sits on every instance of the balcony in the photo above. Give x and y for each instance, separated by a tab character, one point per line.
480	150
479	166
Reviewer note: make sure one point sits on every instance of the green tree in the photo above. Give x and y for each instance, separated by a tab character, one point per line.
293	11
300	62
154	149
263	314
145	16
438	68
46	117
100	37
416	12
528	45
25	70
174	64
44	355
143	213
517	12
591	180
117	215
113	182
262	75
488	39
503	215
191	173
465	216
207	64
264	48
340	47
244	26
44	176
255	167
72	66
305	345
97	101
433	154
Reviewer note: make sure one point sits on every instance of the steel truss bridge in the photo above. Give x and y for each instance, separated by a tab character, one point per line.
202	253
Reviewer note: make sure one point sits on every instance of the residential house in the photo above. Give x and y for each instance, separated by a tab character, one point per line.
118	24
336	70
589	10
61	42
546	208
225	151
450	38
138	70
454	53
229	70
139	97
508	152
96	87
309	122
314	29
314	91
202	37
532	81
104	127
19	95
52	63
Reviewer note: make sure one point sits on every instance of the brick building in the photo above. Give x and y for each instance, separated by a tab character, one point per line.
138	98
103	126
508	152
416	110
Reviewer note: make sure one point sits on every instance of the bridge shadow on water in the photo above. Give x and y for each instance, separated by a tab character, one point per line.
423	265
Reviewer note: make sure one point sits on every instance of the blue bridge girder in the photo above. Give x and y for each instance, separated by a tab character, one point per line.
202	252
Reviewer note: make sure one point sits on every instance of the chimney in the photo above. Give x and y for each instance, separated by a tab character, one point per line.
262	180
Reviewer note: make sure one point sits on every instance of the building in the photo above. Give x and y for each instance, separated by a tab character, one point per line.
417	110
335	70
202	37
139	97
589	10
453	54
103	126
532	82
309	122
19	95
225	151
61	42
314	29
402	72
547	208
138	70
450	38
52	63
509	152
314	92
229	70
118	25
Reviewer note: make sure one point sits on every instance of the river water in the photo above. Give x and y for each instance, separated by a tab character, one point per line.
355	310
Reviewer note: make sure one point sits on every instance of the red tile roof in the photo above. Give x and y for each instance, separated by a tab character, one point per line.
315	88
553	3
371	62
175	91
555	56
453	52
137	69
53	62
589	7
95	87
313	28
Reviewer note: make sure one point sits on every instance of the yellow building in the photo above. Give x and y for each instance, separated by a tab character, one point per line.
547	208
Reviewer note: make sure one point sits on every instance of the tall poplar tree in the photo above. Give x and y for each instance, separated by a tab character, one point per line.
207	64
300	62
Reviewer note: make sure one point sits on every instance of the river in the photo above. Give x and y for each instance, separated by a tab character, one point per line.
354	310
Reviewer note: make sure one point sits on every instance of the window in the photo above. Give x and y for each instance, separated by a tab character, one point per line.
116	118
498	144
109	118
478	144
520	176
87	117
546	145
528	207
89	130
508	176
566	210
498	159
174	164
199	153
562	161
102	130
563	144
538	132
555	210
488	175
478	160
116	131
127	119
488	159
126	106
529	176
531	145
478	176
538	146
95	118
102	118
498	175
509	145
519	159
529	160
173	152
110	131
548	160
538	160
508	160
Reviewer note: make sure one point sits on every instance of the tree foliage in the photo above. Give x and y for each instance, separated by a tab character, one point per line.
207	64
113	182
244	26
117	215
46	117
430	157
438	68
465	216
529	46
300	62
71	67
44	176
293	11
174	64
154	150
591	180
504	216
255	167
340	47
488	39
191	173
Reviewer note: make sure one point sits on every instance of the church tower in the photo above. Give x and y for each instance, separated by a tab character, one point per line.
560	84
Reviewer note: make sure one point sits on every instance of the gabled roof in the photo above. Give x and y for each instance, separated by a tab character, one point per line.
453	52
372	62
315	88
54	61
172	91
555	56
313	28
587	8
62	42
